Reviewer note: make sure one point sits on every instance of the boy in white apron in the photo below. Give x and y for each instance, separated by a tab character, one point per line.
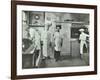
83	36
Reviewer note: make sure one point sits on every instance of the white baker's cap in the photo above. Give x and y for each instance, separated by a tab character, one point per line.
81	30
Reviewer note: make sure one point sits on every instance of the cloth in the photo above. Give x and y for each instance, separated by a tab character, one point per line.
83	36
82	39
32	33
46	43
57	55
35	57
58	41
36	38
82	43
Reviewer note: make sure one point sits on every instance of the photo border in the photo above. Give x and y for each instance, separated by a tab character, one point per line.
14	39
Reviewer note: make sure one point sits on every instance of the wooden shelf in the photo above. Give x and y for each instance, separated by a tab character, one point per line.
73	22
35	25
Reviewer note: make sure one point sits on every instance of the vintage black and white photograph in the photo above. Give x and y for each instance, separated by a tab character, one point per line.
50	40
55	39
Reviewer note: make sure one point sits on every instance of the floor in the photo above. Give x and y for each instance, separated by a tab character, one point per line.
65	61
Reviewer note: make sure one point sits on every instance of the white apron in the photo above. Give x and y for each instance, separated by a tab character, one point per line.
82	39
57	39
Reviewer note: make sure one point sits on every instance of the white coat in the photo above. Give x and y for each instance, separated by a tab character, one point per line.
58	41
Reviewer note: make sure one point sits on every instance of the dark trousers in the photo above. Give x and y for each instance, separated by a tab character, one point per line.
57	55
36	56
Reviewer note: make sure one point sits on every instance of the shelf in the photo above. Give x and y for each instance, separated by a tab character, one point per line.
35	25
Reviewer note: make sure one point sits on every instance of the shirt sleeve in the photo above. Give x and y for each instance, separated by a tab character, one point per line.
87	35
